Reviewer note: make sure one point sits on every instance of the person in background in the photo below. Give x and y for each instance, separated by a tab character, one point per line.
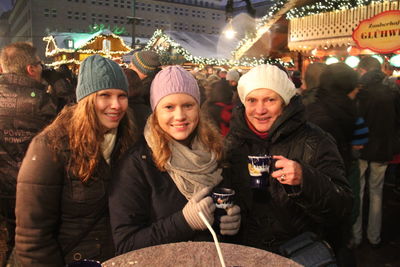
141	111
210	71
146	64
201	79
312	81
165	179
62	191
25	109
335	111
308	190
334	108
233	77
207	84
59	87
378	104
218	107
67	73
296	79
221	73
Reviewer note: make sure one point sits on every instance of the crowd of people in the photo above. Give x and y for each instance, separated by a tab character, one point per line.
116	159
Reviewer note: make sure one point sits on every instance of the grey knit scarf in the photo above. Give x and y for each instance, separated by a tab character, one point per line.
191	169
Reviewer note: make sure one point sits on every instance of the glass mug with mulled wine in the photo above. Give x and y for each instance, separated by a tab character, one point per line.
260	169
223	199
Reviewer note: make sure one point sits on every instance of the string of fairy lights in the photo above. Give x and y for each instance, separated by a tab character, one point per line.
168	45
326	6
271	12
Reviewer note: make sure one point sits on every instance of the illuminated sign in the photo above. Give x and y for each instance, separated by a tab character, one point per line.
380	33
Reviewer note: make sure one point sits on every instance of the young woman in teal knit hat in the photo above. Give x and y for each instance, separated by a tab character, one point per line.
165	179
62	207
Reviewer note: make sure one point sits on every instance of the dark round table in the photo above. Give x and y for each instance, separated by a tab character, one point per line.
199	254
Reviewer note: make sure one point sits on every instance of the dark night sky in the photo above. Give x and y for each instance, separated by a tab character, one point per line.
5	5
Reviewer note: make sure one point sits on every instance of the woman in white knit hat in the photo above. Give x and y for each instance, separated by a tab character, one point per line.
166	178
308	190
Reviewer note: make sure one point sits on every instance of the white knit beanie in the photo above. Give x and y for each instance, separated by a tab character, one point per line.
266	76
233	75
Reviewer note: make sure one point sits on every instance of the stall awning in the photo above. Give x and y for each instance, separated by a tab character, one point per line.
331	29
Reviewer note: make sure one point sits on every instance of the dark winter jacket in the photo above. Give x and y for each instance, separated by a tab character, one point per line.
60	87
54	209
281	212
145	87
379	106
140	111
25	109
335	114
146	205
309	95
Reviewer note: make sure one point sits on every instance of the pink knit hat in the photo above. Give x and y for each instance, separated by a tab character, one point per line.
173	80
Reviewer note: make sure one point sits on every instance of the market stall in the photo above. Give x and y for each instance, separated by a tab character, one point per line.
327	31
319	31
72	48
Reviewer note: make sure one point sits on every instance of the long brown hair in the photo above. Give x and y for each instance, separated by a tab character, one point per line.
79	124
161	152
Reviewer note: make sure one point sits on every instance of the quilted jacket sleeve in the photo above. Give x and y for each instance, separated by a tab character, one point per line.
325	193
39	190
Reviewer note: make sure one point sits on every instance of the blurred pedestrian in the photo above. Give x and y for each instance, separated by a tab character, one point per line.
67	73
335	111
379	106
25	109
140	110
218	107
60	87
221	73
334	108
312	81
146	64
296	79
233	77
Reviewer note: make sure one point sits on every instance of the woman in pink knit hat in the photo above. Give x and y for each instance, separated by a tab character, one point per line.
166	178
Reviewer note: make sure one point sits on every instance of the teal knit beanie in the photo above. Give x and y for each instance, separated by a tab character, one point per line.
98	73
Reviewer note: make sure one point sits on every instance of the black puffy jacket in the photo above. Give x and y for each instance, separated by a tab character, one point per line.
25	109
146	205
61	219
275	215
379	105
336	114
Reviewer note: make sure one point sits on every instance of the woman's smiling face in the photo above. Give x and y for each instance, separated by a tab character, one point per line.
263	106
178	115
110	107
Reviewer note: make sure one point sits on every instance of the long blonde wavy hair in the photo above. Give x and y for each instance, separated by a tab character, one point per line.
161	152
80	125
